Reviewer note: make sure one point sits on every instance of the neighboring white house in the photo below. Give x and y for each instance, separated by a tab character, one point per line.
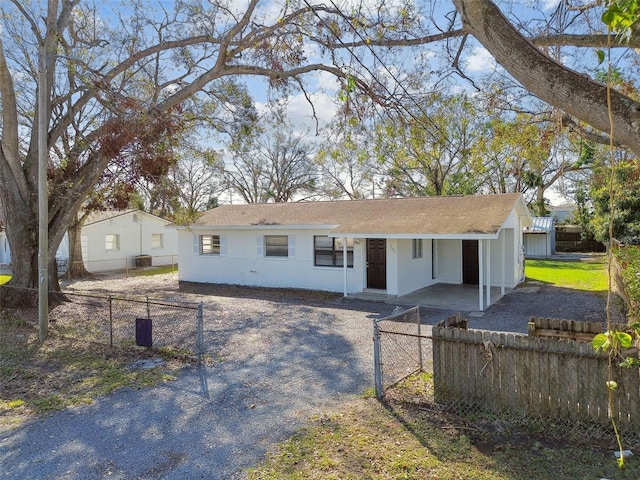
540	238
115	240
5	251
562	213
394	245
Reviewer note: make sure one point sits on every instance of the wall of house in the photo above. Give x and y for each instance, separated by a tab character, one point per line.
449	260
5	251
413	273
136	230
242	261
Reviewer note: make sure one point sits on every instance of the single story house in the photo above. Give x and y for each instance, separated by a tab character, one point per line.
394	245
540	238
116	240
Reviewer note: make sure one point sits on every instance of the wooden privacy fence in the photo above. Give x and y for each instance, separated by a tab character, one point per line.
531	376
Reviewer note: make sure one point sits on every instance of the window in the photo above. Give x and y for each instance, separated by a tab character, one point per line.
157	241
417	248
111	241
328	252
276	246
209	244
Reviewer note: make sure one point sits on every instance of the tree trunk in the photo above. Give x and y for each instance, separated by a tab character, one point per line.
76	268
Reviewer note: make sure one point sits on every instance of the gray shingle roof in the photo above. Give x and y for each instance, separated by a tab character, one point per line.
472	214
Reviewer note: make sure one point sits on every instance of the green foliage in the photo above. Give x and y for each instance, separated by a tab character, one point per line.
622	17
611	340
431	153
629	260
626	217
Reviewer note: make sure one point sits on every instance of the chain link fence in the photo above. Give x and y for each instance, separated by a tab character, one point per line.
401	348
124	321
508	383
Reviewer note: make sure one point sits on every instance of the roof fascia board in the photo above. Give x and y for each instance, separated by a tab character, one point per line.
256	227
424	236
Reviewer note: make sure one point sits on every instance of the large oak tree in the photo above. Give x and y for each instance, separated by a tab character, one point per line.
121	79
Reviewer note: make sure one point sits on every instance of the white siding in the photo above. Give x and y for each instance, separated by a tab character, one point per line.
245	263
135	230
537	245
449	261
413	273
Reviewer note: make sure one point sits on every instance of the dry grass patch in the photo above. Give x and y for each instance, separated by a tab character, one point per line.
68	369
409	438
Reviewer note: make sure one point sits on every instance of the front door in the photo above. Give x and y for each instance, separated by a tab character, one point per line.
470	262
377	263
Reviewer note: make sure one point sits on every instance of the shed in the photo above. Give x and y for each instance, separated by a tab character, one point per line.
540	238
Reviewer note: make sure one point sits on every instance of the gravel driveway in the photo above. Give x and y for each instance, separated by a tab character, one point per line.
279	357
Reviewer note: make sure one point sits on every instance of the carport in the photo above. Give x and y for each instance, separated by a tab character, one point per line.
446	296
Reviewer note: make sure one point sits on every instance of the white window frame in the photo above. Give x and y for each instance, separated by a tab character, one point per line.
417	248
112	242
211	247
269	249
157	241
335	251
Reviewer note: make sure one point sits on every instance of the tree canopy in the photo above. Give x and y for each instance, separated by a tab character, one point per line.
122	79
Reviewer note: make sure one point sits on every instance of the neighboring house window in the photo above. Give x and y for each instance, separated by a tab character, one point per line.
328	252
111	241
209	244
157	240
417	248
276	246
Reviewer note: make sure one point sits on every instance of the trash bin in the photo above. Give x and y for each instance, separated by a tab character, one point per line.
143	261
143	332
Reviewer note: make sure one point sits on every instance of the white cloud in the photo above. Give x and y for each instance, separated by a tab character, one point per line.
300	113
480	60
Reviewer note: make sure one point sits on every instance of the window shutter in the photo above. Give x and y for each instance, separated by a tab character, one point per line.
196	245
260	245
292	246
223	245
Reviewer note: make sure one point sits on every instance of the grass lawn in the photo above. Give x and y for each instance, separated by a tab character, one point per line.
406	438
590	276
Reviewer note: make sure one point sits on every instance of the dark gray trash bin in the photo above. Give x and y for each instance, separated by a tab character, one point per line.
143	332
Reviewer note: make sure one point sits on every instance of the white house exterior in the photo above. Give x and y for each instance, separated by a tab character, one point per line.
5	251
394	246
115	240
540	238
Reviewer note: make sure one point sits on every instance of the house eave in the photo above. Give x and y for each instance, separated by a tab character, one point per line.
260	226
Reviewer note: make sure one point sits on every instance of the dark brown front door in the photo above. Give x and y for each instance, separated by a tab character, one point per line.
377	263
470	262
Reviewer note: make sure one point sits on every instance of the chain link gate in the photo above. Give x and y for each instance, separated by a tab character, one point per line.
400	348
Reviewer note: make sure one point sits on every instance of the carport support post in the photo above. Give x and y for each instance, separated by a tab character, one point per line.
488	273
502	263
377	367
344	264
